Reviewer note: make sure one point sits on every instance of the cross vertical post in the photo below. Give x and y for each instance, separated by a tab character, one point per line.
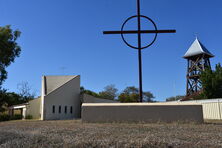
139	53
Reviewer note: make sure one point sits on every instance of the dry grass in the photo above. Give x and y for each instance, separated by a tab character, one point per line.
72	133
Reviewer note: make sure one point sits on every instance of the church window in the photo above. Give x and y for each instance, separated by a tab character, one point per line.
65	109
53	109
71	109
59	108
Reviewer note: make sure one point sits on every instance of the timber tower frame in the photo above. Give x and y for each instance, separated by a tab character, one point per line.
198	59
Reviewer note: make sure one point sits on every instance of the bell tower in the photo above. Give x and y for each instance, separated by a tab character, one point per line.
198	59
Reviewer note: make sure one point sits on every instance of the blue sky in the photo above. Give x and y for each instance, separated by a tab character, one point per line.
65	37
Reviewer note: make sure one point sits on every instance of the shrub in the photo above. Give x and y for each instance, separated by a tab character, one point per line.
4	117
16	117
29	117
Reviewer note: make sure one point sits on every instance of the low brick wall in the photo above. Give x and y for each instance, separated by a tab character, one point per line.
141	112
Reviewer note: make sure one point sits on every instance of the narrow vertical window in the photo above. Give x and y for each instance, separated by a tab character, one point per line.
53	109
65	109
71	109
59	108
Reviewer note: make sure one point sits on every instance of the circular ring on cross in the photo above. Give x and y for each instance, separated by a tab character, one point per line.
122	29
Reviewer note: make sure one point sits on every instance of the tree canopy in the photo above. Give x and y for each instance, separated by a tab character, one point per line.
175	98
9	49
10	98
89	92
131	94
212	83
109	92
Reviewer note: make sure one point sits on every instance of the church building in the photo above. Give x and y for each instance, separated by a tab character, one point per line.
60	99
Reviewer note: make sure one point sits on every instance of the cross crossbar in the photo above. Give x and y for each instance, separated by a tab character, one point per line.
136	31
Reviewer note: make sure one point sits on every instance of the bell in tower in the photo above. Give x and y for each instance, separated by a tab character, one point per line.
198	59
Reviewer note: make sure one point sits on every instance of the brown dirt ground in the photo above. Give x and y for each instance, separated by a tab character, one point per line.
74	133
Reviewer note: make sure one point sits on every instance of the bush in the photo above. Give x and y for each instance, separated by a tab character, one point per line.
16	117
4	117
29	117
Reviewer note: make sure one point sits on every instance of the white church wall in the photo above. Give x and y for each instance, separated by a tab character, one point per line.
33	108
42	97
66	96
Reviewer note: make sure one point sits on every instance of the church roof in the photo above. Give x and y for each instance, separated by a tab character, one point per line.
54	82
197	48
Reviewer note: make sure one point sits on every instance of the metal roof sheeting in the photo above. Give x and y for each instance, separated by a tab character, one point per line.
197	48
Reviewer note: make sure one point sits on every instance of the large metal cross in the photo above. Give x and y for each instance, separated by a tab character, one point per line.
139	32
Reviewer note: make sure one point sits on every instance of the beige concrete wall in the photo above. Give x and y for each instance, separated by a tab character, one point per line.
212	108
141	112
33	108
66	95
91	99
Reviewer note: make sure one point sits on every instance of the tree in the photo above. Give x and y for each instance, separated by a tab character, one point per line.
131	90
110	92
9	49
148	97
25	91
8	99
89	92
124	98
131	94
176	98
212	82
2	100
12	98
82	89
